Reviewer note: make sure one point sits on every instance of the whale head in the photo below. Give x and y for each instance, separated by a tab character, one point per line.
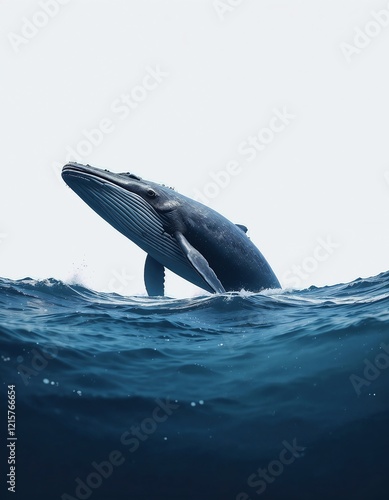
135	207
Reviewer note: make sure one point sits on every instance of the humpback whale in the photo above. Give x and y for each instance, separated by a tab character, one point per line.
176	232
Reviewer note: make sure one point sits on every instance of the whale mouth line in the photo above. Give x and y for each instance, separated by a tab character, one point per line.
79	173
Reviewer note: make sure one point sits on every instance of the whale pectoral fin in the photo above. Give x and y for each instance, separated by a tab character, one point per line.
199	262
154	276
242	227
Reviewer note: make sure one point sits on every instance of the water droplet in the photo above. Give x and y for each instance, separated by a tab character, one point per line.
46	381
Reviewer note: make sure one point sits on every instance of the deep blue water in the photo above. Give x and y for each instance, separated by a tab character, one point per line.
236	396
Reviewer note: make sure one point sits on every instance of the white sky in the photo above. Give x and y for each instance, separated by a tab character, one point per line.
322	178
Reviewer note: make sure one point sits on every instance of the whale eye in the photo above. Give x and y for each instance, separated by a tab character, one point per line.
151	193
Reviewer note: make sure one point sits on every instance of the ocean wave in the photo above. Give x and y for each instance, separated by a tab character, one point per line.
244	373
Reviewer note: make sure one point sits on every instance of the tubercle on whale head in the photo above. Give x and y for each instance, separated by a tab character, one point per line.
127	174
